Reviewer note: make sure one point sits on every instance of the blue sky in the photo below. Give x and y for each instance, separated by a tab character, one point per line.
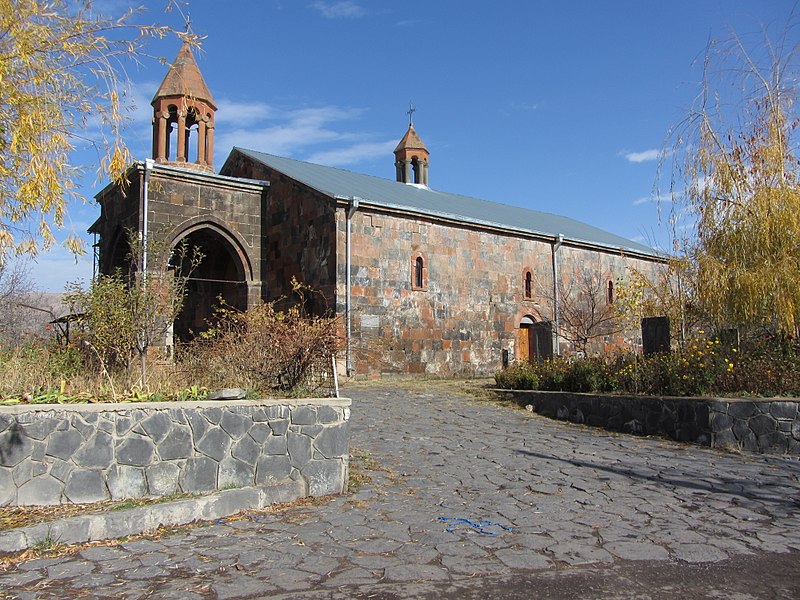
556	106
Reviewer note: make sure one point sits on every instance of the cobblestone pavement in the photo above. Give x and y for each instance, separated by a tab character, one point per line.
473	496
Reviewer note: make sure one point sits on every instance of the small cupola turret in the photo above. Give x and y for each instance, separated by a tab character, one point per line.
183	110
411	156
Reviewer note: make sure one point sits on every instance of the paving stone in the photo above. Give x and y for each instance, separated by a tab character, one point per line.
697	553
637	551
354	576
145	573
242	586
69	569
162	478
299	448
572	496
416	573
579	554
235	425
199	475
304	415
42	490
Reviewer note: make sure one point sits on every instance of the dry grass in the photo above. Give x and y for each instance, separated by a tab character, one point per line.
12	517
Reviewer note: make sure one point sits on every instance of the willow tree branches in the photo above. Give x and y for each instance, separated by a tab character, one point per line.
736	180
62	67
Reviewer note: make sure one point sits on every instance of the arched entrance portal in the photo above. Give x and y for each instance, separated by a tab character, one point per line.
220	274
535	341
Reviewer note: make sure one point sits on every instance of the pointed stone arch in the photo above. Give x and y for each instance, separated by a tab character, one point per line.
225	272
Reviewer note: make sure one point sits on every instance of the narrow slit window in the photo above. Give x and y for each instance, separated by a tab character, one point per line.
610	292
528	285
419	267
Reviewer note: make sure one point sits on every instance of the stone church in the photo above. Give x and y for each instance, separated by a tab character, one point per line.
423	281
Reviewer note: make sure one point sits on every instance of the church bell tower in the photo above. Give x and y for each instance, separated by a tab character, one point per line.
411	156
183	116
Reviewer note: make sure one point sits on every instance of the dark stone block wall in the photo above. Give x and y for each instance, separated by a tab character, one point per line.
770	426
299	236
182	201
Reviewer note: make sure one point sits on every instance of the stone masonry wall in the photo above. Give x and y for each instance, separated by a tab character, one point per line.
299	236
770	426
55	454
762	425
473	300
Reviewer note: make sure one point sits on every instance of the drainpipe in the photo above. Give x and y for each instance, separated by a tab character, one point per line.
348	357
556	245
148	169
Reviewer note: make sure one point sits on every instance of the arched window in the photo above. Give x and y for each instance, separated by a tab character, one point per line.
610	292
528	284
419	272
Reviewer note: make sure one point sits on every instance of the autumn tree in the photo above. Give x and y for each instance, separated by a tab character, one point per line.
664	290
735	176
61	75
126	313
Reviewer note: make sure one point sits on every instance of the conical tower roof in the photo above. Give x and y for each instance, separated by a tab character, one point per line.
410	141
184	79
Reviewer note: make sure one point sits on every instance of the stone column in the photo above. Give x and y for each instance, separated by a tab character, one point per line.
407	171
201	141
209	141
167	141
182	136
161	140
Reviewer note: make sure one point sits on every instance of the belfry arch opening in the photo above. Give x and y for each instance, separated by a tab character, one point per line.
219	276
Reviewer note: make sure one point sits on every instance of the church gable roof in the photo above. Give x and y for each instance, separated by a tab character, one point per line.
339	183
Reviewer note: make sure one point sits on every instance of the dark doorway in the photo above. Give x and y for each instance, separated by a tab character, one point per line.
220	275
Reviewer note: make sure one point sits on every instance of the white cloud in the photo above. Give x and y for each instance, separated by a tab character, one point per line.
53	269
344	9
290	131
644	156
353	154
654	198
239	113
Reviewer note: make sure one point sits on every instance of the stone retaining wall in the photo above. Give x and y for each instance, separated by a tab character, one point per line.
56	454
770	426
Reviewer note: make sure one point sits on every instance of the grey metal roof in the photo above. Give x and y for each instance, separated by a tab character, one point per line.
338	183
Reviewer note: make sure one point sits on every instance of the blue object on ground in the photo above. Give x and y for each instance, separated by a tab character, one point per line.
478	526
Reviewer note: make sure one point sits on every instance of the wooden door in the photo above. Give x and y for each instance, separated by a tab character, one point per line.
524	344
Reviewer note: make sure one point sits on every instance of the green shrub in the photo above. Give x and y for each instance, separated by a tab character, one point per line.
518	376
703	367
584	375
